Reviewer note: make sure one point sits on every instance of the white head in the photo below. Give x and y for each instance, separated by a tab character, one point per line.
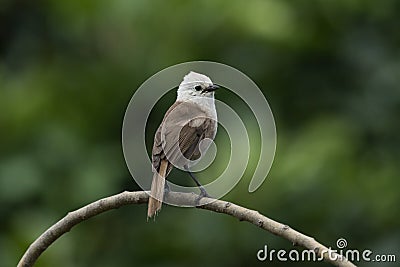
195	85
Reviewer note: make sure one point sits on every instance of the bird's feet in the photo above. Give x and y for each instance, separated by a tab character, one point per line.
203	193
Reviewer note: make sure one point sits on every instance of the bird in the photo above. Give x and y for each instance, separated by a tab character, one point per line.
190	120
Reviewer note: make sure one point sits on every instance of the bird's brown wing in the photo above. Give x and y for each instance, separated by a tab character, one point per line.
179	134
208	131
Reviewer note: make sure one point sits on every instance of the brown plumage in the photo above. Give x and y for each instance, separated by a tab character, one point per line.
184	125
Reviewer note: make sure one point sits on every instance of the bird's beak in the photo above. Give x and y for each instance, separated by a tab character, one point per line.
212	88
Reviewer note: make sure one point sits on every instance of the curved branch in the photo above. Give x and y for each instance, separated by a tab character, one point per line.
126	198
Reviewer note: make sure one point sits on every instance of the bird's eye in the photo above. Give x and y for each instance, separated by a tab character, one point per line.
197	87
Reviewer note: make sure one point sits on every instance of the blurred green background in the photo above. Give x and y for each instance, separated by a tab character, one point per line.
329	69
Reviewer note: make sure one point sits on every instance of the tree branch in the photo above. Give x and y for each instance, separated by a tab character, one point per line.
126	198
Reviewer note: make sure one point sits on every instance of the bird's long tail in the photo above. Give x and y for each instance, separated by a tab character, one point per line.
157	190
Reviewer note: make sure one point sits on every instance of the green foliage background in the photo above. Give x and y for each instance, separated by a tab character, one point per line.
329	69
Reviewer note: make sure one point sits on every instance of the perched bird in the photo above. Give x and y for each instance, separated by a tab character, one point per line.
186	123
